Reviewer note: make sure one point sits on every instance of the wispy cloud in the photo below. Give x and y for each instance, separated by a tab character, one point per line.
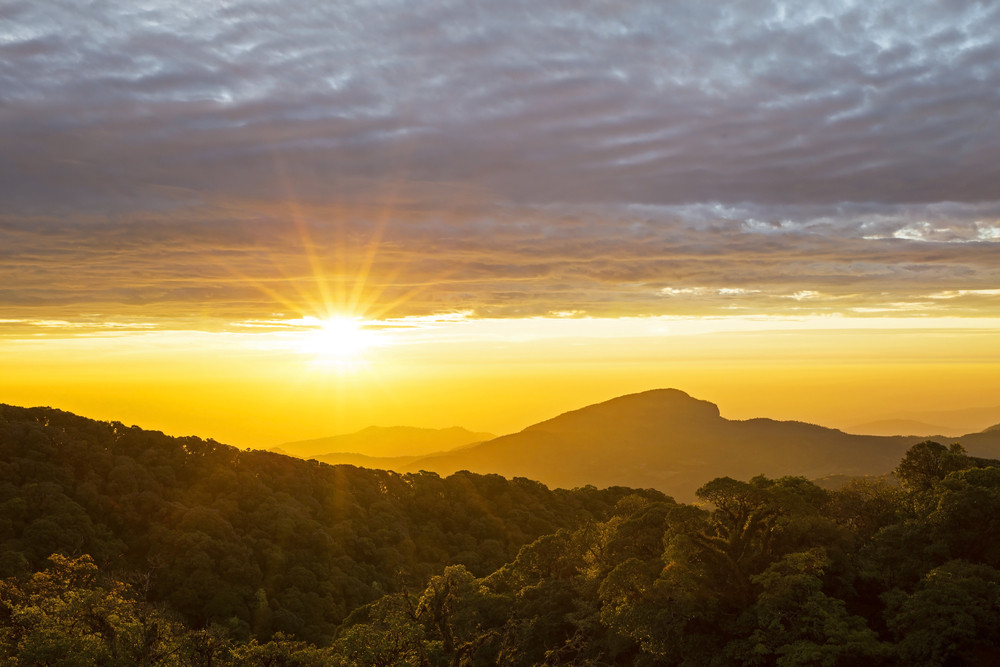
186	160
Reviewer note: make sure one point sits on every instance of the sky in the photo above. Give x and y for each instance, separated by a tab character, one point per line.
263	221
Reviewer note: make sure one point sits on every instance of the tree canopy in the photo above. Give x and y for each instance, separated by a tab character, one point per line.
120	546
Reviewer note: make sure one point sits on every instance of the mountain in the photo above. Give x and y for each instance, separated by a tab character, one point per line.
903	427
964	420
667	440
392	441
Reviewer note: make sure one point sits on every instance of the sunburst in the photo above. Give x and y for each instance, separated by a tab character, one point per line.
336	314
337	339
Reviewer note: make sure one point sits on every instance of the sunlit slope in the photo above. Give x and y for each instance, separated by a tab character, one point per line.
392	441
667	440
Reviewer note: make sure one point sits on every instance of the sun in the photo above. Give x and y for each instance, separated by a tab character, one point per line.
336	339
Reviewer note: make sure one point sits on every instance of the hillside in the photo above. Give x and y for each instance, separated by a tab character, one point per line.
391	441
770	572
121	546
256	539
667	440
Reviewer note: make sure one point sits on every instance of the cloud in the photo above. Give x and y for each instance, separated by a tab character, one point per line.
505	158
520	262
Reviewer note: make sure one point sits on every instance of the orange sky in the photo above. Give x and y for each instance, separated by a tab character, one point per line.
789	209
260	389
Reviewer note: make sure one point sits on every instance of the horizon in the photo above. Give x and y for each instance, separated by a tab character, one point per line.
263	224
966	421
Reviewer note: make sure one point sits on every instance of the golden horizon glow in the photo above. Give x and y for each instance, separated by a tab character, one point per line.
261	384
308	244
339	351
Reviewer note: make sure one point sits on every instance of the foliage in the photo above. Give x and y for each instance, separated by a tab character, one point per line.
951	617
252	540
123	546
65	615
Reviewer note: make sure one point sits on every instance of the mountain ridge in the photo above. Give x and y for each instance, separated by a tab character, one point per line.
903	427
668	440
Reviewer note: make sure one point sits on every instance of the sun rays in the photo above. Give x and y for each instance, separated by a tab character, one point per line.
337	342
332	289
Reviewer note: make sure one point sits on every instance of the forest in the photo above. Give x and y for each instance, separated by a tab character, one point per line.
122	546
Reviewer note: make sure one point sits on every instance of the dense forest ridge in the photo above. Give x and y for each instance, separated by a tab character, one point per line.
667	440
264	542
120	546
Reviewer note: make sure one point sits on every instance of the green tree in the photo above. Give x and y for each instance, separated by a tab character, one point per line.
798	624
64	615
280	651
867	505
460	608
927	463
383	633
951	618
967	516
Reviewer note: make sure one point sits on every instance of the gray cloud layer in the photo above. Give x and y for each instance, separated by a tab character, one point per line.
524	157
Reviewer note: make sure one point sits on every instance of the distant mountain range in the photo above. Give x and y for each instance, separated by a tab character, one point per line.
404	442
667	440
964	420
903	427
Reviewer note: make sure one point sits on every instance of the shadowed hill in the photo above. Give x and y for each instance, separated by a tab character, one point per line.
393	441
264	541
667	440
